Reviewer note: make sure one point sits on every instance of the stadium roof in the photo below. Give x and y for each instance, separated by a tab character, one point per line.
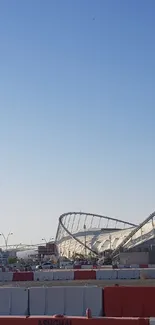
76	234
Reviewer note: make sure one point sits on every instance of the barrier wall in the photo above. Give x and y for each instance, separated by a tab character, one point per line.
71	321
23	276
84	321
43	276
129	301
6	276
147	274
85	275
152	321
99	274
71	301
87	267
13	301
106	274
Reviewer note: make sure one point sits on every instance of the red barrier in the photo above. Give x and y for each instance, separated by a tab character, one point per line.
23	276
143	266
12	320
85	275
84	321
48	320
129	301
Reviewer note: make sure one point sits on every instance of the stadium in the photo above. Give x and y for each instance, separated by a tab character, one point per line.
90	234
87	233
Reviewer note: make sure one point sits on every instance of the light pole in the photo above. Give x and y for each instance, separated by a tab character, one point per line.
84	227
44	239
6	238
110	241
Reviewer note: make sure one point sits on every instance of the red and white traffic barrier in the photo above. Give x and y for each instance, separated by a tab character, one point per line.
110	302
82	274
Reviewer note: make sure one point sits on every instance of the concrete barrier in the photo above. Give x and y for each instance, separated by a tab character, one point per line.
5	301
134	266
74	298
70	301
13	301
63	275
128	274
99	274
43	276
19	301
106	274
37	301
55	301
6	276
151	266
152	321
87	267
93	300
147	274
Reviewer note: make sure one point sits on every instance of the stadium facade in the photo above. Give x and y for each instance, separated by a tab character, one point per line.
87	233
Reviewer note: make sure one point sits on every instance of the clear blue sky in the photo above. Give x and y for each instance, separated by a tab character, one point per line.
77	112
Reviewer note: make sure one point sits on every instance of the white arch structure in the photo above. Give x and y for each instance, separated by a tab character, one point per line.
82	232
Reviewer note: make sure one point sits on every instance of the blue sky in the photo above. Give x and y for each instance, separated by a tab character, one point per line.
77	112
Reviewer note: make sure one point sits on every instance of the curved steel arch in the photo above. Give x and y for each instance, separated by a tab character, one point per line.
131	234
86	214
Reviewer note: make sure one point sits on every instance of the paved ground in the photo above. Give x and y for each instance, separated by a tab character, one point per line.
99	283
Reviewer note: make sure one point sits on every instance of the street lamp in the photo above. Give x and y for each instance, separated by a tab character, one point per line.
84	227
6	238
110	241
44	239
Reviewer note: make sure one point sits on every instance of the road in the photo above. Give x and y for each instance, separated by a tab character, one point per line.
99	283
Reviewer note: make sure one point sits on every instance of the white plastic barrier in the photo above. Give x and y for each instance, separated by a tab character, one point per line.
147	273
5	301
70	301
152	321
128	274
134	266
55	298
63	275
106	274
87	267
69	267
13	301
78	299
93	300
19	301
6	276
74	299
151	266
43	276
37	301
